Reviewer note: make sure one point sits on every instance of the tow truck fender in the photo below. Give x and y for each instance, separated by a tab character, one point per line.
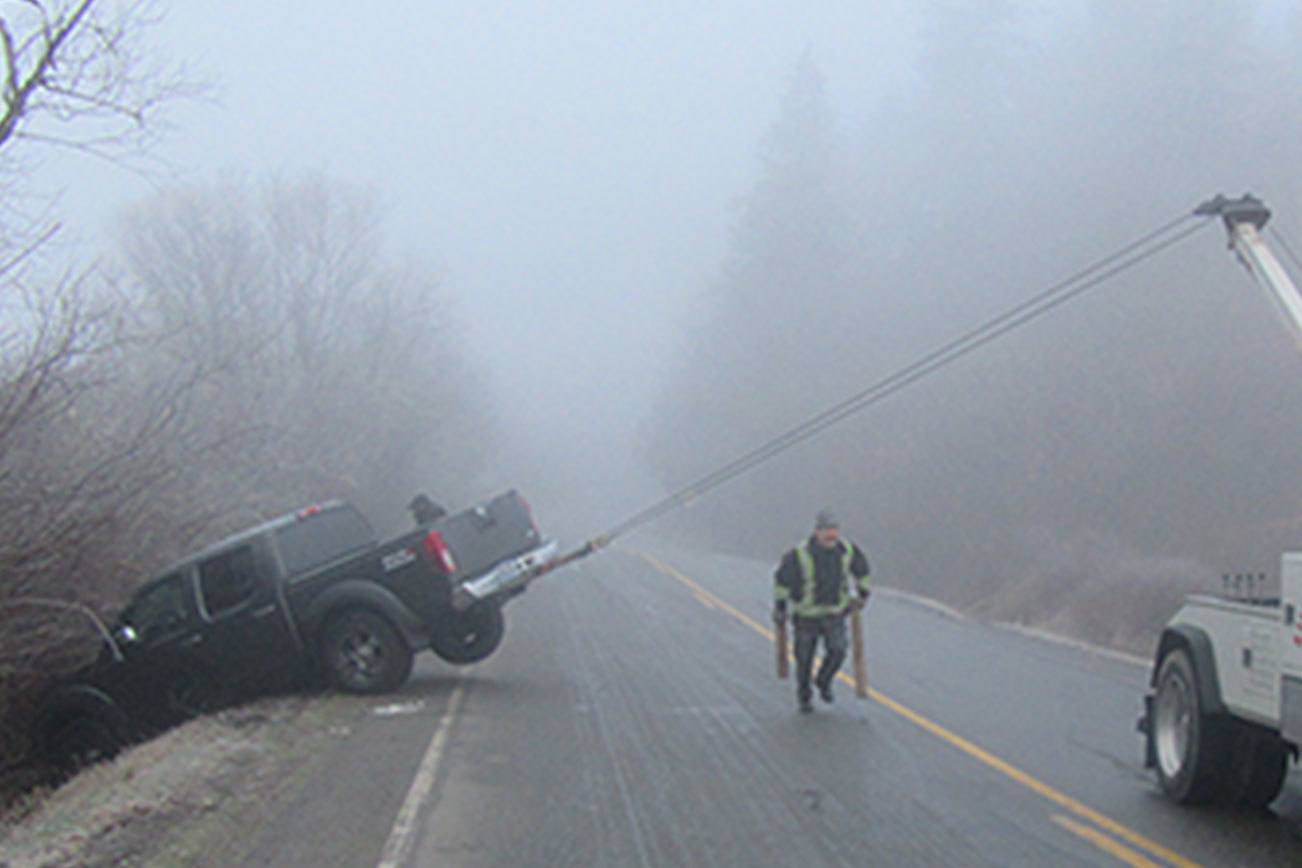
355	593
1198	644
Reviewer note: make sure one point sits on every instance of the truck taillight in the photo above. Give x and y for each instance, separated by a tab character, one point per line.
436	549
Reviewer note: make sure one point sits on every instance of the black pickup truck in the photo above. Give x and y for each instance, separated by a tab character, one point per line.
309	592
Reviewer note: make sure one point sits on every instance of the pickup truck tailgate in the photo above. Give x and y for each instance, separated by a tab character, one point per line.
484	536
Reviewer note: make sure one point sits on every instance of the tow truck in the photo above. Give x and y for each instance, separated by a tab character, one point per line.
1224	715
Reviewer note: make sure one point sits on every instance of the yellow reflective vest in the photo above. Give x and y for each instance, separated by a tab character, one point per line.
804	602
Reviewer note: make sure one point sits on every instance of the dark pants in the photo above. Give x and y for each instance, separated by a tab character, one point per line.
832	629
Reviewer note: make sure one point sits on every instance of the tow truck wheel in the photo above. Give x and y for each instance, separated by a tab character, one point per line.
364	653
1257	769
470	636
1269	770
1189	745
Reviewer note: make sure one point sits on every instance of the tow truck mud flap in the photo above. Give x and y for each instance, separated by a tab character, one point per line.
1145	727
1291	710
510	575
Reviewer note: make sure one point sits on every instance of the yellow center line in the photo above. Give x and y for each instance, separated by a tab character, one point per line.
1057	797
1104	843
705	601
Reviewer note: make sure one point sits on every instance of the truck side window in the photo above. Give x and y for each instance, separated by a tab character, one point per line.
320	538
228	580
159	610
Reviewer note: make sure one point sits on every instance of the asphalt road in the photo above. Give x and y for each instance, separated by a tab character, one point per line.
632	717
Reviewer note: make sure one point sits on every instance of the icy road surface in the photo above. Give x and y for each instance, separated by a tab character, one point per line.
633	718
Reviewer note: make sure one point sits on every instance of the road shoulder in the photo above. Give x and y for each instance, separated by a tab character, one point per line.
190	796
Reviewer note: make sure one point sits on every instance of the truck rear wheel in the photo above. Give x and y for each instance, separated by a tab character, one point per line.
1190	746
364	653
1258	766
471	635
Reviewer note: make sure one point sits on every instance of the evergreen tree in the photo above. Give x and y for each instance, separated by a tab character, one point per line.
778	331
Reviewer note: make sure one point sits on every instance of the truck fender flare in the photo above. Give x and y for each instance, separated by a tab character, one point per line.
1198	645
80	700
358	594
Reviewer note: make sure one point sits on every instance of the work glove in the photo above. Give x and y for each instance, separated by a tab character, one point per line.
779	616
856	604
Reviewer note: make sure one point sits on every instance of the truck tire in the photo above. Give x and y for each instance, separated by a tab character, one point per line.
1257	768
470	636
1191	746
364	653
80	741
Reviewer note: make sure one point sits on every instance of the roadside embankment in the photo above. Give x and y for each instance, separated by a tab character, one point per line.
187	797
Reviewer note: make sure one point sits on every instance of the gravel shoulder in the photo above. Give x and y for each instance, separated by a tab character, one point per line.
194	796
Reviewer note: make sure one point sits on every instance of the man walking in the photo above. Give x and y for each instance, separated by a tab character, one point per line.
815	578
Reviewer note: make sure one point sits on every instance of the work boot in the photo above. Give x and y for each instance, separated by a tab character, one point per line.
804	700
825	693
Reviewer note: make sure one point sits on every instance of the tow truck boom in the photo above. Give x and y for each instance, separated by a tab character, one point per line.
1244	218
1225	711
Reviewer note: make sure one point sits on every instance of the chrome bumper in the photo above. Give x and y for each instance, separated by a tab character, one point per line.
507	577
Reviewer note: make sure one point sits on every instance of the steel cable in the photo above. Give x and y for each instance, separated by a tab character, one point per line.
1041	303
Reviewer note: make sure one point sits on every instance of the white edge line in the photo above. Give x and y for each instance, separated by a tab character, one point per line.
1077	644
1041	635
921	601
398	847
1037	633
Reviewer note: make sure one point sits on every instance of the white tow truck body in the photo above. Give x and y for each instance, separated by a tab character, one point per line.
1225	714
1256	650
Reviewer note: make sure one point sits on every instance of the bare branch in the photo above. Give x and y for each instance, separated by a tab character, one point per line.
70	606
76	78
55	36
28	250
11	63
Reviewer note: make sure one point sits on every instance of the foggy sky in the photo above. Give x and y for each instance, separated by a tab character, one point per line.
571	168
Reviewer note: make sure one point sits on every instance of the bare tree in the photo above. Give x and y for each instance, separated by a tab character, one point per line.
75	74
322	368
76	458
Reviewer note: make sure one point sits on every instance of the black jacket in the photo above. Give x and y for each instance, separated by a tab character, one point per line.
829	578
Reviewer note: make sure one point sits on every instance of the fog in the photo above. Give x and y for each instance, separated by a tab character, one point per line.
569	168
665	234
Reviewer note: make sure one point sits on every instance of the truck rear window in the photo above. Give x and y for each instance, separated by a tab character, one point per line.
316	540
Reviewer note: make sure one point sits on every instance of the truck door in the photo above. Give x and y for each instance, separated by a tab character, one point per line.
165	628
246	643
